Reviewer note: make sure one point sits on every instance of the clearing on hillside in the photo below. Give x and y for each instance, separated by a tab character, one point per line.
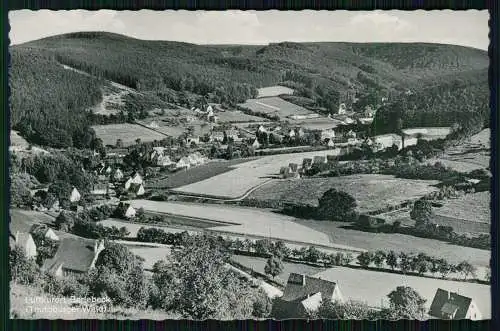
273	91
127	132
277	106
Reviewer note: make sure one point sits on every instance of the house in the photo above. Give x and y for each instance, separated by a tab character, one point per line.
183	163
24	241
135	178
233	134
74	256
369	111
118	175
342	109
154	125
303	294
365	120
99	189
75	195
47	232
137	189
331	159
327	134
276	138
262	129
193	160
190	140
294	167
291	133
450	305
217	136
210	109
126	210
319	159
329	142
387	140
255	144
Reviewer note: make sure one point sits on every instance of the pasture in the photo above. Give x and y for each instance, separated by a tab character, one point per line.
372	192
276	106
246	176
258	264
373	287
194	174
273	91
127	132
237	116
249	221
340	233
320	123
471	207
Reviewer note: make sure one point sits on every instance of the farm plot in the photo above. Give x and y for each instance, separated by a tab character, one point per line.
372	192
26	218
133	228
340	233
428	133
127	132
249	221
237	116
195	174
275	106
235	184
273	91
373	287
320	123
258	264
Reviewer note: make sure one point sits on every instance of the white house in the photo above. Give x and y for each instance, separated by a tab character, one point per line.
195	140
387	140
217	136
330	143
342	109
183	163
450	305
24	241
255	144
262	129
137	189
75	195
118	175
154	125
327	134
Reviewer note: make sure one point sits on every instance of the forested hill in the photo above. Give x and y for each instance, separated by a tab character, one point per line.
321	72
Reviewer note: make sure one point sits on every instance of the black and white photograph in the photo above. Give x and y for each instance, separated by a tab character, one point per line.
235	165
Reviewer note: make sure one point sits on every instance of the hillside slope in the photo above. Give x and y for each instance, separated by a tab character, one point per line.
322	72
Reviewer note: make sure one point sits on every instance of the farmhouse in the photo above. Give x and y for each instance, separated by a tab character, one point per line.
319	159
449	305
327	134
329	142
255	144
47	232
126	210
135	178
234	135
162	161
276	138
75	195
24	241
191	140
118	175
217	136
384	141
74	256
183	163
304	294
262	129
99	189
342	109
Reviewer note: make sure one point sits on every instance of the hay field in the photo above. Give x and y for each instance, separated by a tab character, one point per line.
237	116
320	123
371	192
275	105
472	207
249	221
246	176
372	287
127	132
273	91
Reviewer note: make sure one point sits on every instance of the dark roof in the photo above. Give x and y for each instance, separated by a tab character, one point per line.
293	166
299	287
74	254
445	301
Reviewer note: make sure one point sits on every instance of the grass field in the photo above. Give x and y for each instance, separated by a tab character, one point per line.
258	265
339	233
320	123
429	133
472	207
373	287
273	91
372	192
237	116
29	217
250	221
246	176
275	105
195	174
151	255
127	132
134	227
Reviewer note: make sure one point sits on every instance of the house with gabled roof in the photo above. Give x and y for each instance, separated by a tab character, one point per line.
262	129
126	210
137	189
450	305
183	163
118	174
75	196
217	136
304	294
24	241
75	255
255	144
318	159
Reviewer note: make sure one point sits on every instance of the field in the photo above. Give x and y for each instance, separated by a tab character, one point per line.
28	217
273	91
258	264
246	176
429	133
134	227
373	287
339	233
17	140
472	207
471	155
250	221
237	116
195	174
127	132
275	105
320	123
151	255
372	192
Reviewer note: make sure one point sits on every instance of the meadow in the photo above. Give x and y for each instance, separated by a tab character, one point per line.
127	132
273	91
274	105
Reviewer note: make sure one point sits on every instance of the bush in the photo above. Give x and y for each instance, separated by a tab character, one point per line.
23	270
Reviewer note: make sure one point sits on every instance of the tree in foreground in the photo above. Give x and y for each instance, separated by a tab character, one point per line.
421	212
342	311
274	266
205	287
405	303
379	258
336	206
365	259
392	259
23	270
466	269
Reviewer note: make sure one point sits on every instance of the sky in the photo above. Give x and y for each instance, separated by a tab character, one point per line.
466	28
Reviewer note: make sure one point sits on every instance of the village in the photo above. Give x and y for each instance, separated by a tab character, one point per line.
174	184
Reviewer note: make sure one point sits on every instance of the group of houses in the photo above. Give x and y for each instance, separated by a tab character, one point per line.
160	158
304	294
294	170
